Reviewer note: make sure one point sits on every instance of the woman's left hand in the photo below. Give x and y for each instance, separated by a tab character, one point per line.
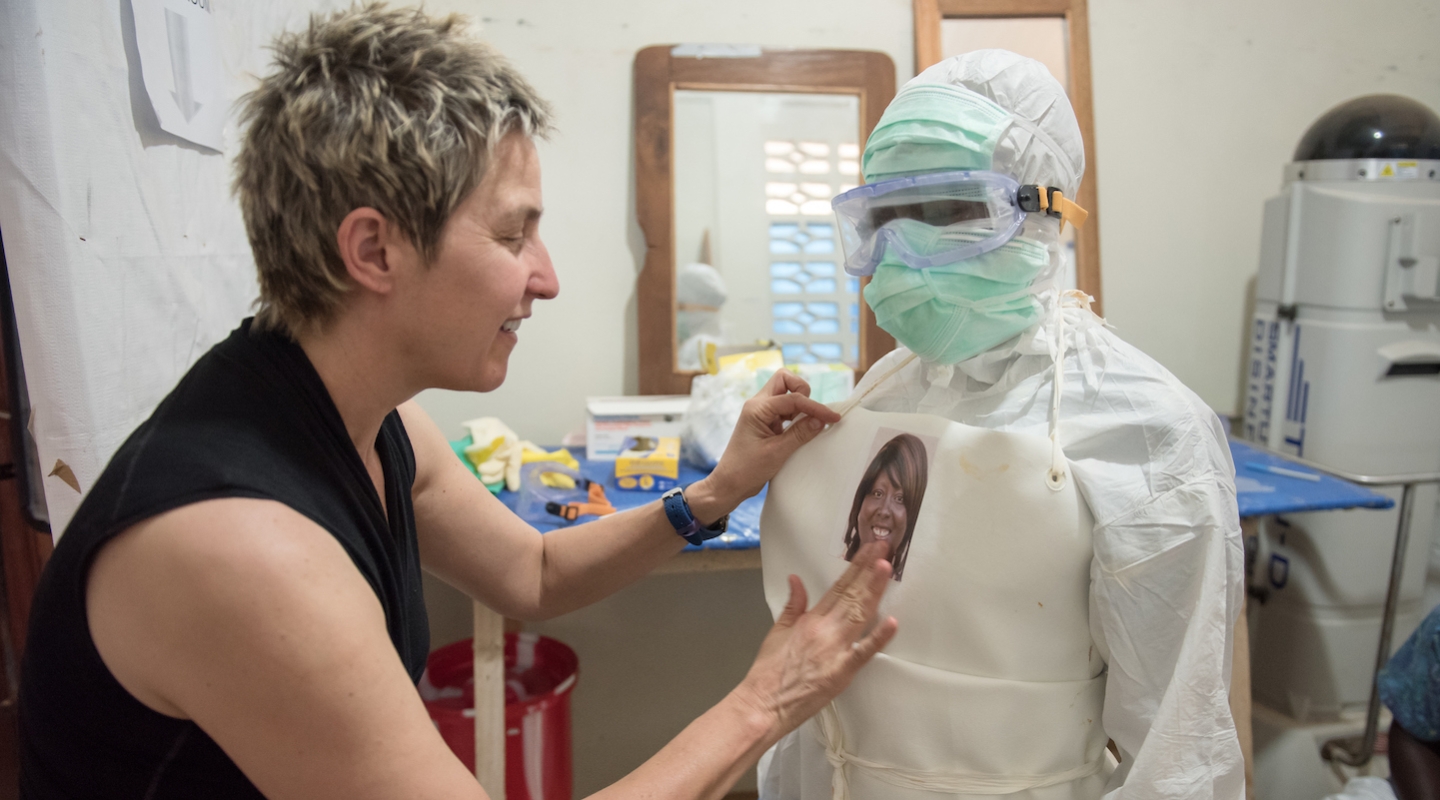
762	442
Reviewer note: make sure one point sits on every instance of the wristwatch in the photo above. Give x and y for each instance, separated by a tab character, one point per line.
689	528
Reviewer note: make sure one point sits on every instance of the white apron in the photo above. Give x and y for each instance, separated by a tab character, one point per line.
992	686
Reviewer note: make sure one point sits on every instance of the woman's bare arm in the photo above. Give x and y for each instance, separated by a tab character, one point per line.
251	620
469	538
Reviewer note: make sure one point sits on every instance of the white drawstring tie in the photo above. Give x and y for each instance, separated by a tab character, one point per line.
1056	477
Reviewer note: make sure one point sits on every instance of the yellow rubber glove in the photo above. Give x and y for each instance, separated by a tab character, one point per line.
487	435
555	480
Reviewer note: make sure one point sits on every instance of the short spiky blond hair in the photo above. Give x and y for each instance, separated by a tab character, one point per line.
377	107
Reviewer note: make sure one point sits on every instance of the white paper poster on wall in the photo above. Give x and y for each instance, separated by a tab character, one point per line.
181	67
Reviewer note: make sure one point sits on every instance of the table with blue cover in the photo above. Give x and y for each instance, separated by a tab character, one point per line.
1260	493
743	533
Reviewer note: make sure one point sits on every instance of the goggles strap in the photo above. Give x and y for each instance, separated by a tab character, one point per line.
1053	203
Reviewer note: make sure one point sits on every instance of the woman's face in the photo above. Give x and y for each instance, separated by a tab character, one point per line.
882	515
491	266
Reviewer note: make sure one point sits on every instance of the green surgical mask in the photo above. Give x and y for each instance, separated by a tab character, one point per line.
950	313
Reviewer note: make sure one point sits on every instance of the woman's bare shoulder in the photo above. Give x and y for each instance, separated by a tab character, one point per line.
215	568
250	619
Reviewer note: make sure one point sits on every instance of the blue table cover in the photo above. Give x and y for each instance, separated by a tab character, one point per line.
1259	493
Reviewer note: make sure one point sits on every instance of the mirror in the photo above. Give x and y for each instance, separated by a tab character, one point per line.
756	256
1055	33
737	156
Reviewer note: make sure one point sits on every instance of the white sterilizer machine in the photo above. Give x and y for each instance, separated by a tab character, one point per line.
1344	370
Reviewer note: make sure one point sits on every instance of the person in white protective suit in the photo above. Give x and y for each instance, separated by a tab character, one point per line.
1074	572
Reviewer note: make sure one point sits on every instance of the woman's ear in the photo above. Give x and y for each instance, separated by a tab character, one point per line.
372	248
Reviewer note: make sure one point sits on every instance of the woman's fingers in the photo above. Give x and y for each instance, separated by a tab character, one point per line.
762	443
788	406
777	426
809	657
851	584
875	641
809	416
786	381
796	604
859	604
851	574
774	411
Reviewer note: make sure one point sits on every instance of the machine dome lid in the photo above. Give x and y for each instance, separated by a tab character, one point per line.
1373	126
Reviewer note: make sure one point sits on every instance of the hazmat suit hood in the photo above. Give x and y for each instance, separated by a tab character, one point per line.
1026	130
990	110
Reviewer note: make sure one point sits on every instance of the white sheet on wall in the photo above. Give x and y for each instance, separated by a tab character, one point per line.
127	254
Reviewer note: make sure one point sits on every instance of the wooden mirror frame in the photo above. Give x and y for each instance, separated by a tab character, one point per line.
658	74
928	15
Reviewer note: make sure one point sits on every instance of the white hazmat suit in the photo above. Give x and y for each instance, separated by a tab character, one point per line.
1150	461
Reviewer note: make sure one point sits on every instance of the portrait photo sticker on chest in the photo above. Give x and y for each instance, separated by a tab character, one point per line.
888	498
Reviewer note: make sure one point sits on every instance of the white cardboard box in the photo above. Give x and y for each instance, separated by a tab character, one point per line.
609	420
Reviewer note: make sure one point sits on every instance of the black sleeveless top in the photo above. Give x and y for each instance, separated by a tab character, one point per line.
250	419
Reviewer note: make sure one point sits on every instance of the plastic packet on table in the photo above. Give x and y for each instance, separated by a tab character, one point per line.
544	482
715	402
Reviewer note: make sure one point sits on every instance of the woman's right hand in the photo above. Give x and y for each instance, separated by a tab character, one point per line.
809	657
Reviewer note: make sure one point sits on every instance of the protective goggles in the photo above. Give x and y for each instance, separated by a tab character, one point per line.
985	209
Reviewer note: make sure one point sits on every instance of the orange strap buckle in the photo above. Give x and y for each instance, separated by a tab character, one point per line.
598	505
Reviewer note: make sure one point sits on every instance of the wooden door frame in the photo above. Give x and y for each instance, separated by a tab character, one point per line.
928	16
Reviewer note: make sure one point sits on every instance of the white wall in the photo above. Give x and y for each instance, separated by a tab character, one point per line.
1197	107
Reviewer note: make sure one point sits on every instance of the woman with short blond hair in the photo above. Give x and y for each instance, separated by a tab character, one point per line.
235	610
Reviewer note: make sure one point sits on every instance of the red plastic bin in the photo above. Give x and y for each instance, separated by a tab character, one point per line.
539	674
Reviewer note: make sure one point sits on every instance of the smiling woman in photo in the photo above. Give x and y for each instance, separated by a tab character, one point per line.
887	501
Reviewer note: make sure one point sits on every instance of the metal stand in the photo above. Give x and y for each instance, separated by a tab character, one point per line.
1355	751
